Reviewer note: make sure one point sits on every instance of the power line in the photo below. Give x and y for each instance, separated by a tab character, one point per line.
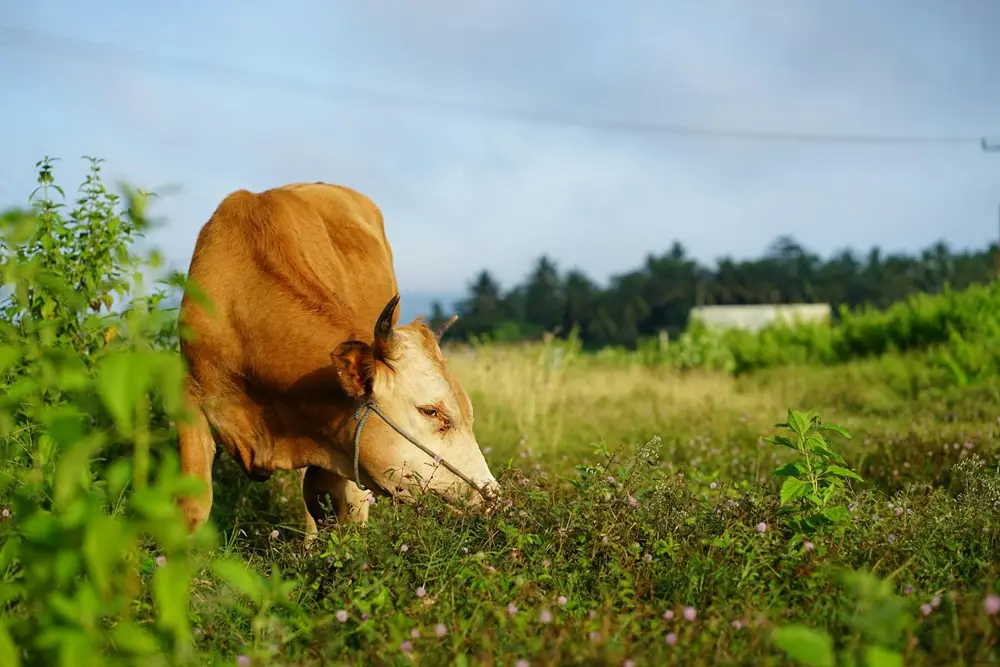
994	148
15	37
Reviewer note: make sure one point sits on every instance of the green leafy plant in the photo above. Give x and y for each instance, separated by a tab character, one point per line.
92	533
813	483
879	620
78	538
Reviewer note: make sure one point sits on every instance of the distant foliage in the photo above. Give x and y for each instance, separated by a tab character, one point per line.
957	332
658	296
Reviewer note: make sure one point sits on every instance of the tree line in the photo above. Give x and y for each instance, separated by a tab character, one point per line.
659	294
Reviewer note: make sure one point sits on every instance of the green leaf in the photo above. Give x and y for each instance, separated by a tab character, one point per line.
836	514
782	441
23	227
103	544
171	587
843	472
73	468
41	528
153	504
805	645
793	489
818	446
171	375
797	422
836	429
789	470
9	655
8	357
876	656
9	551
48	307
238	576
134	640
122	378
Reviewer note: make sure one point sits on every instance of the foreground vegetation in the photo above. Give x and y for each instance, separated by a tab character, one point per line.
654	514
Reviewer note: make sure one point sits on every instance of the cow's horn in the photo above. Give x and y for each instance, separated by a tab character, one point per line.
383	327
444	327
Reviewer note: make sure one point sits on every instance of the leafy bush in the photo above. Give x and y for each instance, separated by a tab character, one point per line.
958	329
87	397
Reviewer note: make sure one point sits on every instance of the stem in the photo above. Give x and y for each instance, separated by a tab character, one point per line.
141	472
141	438
809	469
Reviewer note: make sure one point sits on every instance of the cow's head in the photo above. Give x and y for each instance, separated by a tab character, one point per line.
404	372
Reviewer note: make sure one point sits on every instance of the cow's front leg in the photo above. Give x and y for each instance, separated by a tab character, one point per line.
349	502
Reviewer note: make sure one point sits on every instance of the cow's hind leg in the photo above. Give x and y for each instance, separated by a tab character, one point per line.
197	452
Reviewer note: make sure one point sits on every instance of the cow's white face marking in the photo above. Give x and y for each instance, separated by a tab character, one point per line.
420	395
404	372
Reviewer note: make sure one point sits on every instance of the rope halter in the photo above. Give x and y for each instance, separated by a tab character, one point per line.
361	415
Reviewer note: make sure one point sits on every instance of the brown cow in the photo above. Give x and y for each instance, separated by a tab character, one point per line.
299	333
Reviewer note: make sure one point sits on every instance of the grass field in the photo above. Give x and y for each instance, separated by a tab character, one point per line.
654	512
641	523
602	558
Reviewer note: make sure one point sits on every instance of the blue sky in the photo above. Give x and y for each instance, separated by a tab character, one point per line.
461	193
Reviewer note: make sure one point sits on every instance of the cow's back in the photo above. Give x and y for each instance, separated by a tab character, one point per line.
292	272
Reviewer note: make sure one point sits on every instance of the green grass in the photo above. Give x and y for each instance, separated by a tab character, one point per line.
698	501
688	450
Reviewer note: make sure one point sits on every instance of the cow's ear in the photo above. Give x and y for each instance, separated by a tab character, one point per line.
354	364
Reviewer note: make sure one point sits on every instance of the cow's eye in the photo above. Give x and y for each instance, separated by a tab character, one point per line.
429	412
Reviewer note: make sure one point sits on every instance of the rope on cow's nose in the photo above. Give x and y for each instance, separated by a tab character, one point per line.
361	415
